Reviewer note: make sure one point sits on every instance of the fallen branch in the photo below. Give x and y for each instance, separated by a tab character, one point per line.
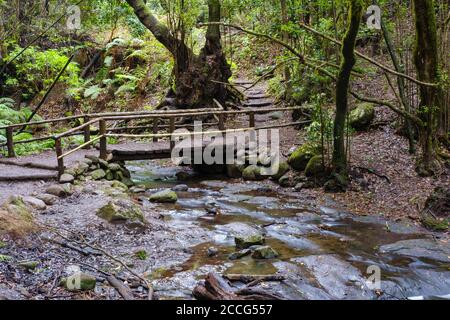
374	172
123	290
251	278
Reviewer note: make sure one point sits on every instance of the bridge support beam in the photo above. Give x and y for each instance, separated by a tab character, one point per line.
103	140
87	133
10	142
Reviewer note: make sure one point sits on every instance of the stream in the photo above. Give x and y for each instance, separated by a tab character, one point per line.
324	253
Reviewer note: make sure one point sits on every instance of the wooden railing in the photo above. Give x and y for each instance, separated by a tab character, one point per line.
157	118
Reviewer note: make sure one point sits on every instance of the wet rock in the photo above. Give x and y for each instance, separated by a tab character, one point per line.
127	181
299	159
420	248
66	178
35	203
165	196
180	188
264	252
244	242
239	254
253	173
338	278
80	281
212	252
362	116
185	175
98	174
28	265
120	210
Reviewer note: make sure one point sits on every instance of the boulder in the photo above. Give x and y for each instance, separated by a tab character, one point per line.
264	252
35	203
66	178
120	210
244	242
253	173
362	116
315	167
299	159
109	175
165	196
81	168
119	185
103	164
98	174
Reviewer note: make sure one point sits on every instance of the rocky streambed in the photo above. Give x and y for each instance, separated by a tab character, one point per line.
227	227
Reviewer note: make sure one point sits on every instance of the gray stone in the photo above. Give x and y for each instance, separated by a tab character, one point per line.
93	159
35	203
66	178
103	164
212	252
420	248
114	167
47	198
28	265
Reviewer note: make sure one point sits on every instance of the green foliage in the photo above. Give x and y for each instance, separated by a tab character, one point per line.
35	70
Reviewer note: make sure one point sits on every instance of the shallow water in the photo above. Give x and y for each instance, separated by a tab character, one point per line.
324	253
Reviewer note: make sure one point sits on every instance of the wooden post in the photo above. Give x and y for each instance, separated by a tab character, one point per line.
251	115
10	142
58	148
103	140
155	128
172	130
221	121
87	132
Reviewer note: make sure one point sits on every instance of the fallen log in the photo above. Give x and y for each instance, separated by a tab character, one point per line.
29	177
28	165
215	287
123	290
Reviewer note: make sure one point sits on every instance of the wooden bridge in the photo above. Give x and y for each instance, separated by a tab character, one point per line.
156	131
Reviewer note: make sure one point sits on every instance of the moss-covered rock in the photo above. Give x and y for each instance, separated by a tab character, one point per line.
264	252
79	281
315	167
244	242
98	174
362	116
119	185
283	168
299	159
436	213
121	210
165	196
253	173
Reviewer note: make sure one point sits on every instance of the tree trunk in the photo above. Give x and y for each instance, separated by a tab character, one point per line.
342	88
426	61
198	79
287	70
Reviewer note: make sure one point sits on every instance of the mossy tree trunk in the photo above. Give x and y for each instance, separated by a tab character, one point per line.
198	78
426	62
342	88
